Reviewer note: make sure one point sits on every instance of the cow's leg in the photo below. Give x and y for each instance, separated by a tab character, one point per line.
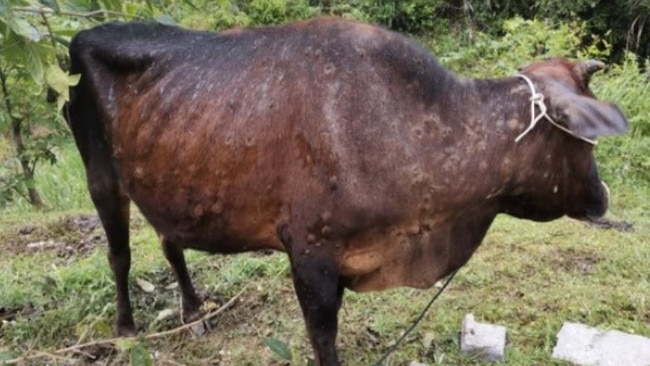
319	288
319	292
112	205
191	303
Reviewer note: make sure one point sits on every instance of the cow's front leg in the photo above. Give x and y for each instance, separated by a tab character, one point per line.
319	289
191	303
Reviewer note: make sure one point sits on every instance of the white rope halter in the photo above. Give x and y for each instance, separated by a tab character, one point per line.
537	99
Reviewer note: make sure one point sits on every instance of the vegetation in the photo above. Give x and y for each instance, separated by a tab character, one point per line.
57	289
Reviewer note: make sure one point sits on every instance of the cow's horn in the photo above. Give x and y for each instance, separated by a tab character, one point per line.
588	68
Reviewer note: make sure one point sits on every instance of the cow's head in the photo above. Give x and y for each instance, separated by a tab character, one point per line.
563	175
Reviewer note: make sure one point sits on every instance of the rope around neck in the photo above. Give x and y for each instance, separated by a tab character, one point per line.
417	321
537	99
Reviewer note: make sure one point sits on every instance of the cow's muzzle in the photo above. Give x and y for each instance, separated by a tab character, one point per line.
599	209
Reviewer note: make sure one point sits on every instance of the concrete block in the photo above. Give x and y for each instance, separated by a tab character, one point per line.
587	346
487	341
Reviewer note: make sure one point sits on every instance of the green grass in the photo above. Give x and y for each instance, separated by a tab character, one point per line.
62	185
527	276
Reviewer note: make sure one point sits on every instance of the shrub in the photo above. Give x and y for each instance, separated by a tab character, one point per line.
522	41
627	158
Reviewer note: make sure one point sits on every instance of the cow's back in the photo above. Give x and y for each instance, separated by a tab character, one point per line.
222	137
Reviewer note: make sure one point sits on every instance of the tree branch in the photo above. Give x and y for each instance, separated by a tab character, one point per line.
19	144
88	14
5	93
49	29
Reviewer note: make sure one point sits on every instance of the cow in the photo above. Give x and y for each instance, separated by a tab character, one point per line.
345	145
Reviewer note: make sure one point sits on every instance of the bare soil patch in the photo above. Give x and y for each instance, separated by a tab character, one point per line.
71	236
575	260
608	224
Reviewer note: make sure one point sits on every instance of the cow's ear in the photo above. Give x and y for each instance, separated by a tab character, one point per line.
589	117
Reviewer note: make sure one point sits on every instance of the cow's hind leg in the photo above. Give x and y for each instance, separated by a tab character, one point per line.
112	205
191	303
319	289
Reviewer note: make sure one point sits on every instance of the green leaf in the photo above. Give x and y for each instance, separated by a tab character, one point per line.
27	55
166	19
130	9
65	32
139	356
102	328
57	79
6	356
34	64
52	4
73	79
279	348
61	82
24	29
126	344
113	5
191	4
5	10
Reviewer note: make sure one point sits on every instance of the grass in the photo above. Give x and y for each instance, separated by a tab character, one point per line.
527	276
62	185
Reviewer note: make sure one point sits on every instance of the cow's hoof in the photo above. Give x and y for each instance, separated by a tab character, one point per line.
199	329
126	330
192	316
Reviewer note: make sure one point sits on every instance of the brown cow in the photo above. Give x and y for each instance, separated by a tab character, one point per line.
345	145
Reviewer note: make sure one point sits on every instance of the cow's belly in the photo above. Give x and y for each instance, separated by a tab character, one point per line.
210	216
213	232
408	255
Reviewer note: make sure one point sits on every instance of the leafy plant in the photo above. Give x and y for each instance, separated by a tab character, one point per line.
34	82
32	55
279	348
412	16
278	11
621	23
522	41
627	158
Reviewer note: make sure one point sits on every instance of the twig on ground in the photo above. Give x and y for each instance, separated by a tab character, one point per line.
51	355
172	362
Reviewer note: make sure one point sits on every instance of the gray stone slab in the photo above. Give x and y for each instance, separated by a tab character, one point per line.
587	346
484	340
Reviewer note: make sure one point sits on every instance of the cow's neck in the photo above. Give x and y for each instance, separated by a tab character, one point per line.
473	155
522	166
